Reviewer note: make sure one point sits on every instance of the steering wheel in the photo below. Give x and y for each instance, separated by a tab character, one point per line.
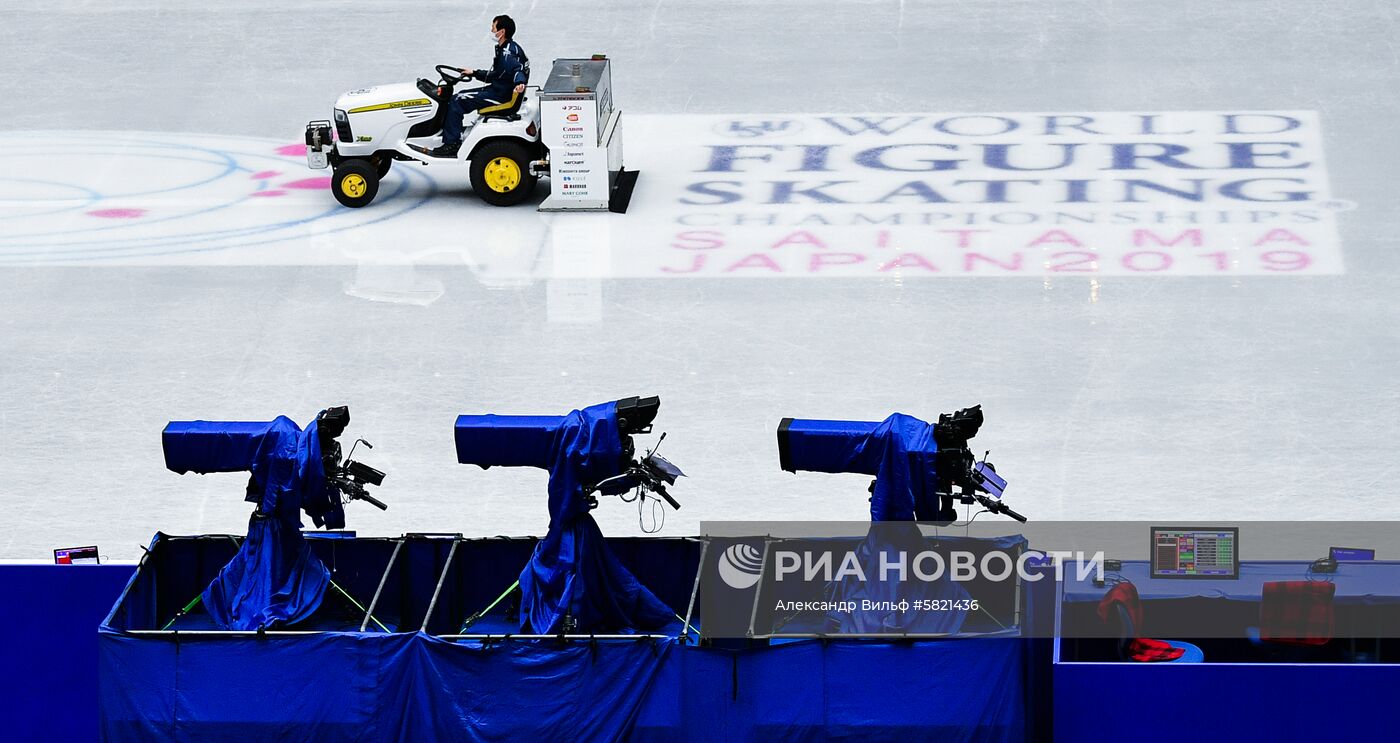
450	75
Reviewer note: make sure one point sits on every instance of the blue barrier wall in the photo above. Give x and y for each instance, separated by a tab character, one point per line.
50	684
417	687
962	690
48	659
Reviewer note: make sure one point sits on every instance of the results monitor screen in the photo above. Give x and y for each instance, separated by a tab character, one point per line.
1351	554
75	556
1195	552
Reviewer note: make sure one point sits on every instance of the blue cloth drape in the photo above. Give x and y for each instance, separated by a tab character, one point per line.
274	579
341	686
899	452
890	543
572	572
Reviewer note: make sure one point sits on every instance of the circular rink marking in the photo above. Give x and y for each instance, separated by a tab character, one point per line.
102	196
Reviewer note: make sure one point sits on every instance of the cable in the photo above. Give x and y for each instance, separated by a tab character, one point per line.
473	618
1316	572
974	518
658	522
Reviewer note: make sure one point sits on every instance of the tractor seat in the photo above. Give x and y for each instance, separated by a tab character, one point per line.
507	111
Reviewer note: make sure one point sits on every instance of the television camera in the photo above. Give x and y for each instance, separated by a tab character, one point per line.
646	475
526	441
349	476
573	582
977	482
920	469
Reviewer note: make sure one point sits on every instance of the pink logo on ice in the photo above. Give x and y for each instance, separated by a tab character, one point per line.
117	213
309	183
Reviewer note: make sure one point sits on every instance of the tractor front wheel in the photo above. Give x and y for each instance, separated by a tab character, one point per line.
355	183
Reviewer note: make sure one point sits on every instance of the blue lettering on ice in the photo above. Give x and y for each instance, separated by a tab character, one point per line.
1233	121
1234	190
875	158
723	156
1244	156
709	188
853	125
1125	156
758	128
1009	125
995	156
1131	187
784	191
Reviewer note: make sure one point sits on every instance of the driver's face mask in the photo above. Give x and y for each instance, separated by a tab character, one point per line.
494	41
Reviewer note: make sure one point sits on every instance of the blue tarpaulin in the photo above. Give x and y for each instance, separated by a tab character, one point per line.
213	446
895	543
339	686
505	440
893	581
948	691
898	452
371	686
571	574
274	579
414	687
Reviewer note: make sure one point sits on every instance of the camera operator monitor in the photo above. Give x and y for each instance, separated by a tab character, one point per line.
1195	552
1351	554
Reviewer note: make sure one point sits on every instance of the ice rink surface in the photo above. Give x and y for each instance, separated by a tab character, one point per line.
1129	369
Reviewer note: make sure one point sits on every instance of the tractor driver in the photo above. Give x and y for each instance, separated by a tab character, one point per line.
506	77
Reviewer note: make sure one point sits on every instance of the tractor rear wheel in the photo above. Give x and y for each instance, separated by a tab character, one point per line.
501	173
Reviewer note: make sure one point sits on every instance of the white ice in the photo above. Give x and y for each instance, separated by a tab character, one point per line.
1191	396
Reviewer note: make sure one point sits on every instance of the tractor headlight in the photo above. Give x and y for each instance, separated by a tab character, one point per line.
342	126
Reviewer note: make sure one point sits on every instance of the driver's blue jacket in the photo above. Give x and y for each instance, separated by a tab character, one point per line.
509	69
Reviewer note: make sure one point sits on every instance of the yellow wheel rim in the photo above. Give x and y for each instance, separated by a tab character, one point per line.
353	185
502	175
